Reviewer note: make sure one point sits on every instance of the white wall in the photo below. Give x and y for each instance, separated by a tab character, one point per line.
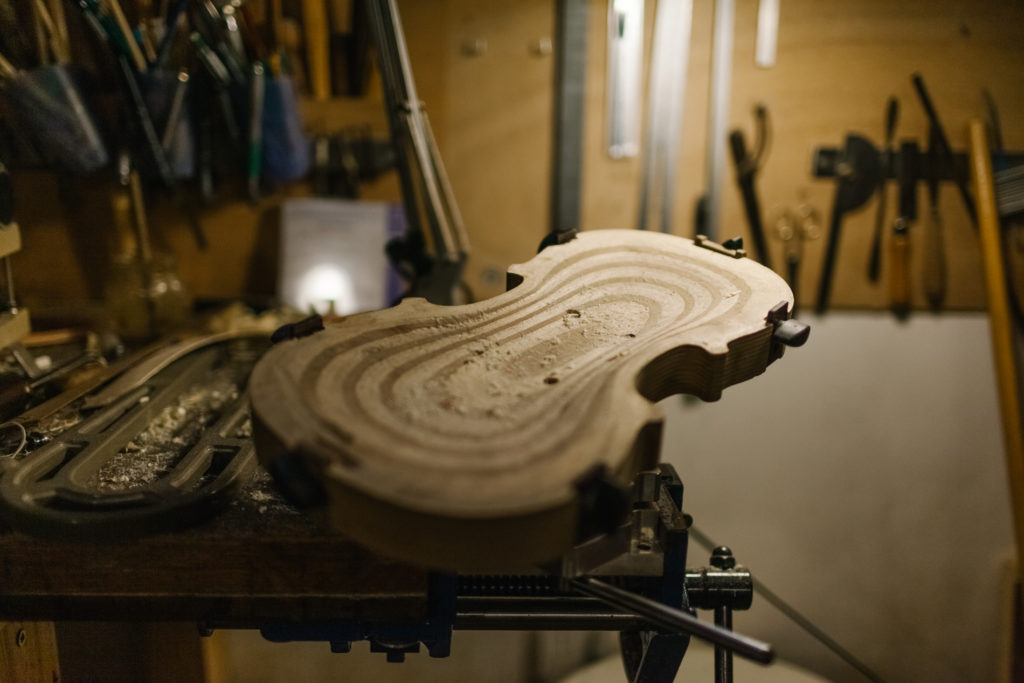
862	478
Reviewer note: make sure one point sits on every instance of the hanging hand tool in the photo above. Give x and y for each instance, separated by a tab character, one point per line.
747	165
934	243
899	245
793	231
857	171
891	116
121	21
209	24
431	211
945	151
316	30
17	392
255	156
163	51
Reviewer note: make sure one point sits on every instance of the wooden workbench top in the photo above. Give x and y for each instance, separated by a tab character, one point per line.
258	561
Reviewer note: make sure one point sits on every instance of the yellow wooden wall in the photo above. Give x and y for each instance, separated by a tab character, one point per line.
837	63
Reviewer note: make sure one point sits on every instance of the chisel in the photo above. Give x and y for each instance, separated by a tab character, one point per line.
875	261
899	245
315	26
747	165
934	247
959	175
857	174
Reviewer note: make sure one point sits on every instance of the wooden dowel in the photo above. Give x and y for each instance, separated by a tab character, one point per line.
42	46
7	69
122	24
60	22
57	47
1001	325
318	50
276	23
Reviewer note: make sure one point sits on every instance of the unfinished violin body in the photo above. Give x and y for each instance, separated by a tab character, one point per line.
464	437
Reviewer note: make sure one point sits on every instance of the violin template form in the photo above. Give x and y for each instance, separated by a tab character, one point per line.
470	437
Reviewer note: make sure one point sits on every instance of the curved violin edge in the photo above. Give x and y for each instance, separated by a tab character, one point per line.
452	436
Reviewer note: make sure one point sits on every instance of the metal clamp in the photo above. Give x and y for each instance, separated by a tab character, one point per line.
733	248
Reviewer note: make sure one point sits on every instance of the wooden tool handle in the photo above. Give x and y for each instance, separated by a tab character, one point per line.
318	49
464	436
1007	371
899	269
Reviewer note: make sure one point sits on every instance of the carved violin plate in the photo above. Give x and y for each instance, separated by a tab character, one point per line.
457	437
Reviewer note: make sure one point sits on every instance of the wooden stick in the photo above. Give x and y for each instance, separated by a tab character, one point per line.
40	30
148	49
61	23
276	22
122	24
1001	325
60	53
7	69
314	26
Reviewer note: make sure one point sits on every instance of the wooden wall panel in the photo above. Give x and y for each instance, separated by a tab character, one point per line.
491	110
498	130
837	63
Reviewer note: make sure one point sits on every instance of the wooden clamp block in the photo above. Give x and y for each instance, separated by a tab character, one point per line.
13	326
10	239
456	437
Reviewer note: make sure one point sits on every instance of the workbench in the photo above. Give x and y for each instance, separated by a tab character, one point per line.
258	562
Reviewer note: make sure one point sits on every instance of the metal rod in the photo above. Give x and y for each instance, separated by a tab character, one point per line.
675	620
665	99
723	657
174	112
12	301
408	124
570	75
392	98
718	111
125	28
800	620
500	621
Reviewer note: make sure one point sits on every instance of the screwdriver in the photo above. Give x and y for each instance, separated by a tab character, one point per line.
875	262
899	245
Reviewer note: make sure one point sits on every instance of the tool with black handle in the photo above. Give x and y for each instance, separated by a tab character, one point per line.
934	241
747	165
943	149
899	245
858	171
875	261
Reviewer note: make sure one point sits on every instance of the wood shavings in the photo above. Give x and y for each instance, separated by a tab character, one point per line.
169	436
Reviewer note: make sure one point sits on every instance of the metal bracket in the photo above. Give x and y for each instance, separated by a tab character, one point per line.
732	248
785	330
827	162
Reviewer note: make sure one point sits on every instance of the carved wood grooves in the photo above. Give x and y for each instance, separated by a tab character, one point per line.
451	436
